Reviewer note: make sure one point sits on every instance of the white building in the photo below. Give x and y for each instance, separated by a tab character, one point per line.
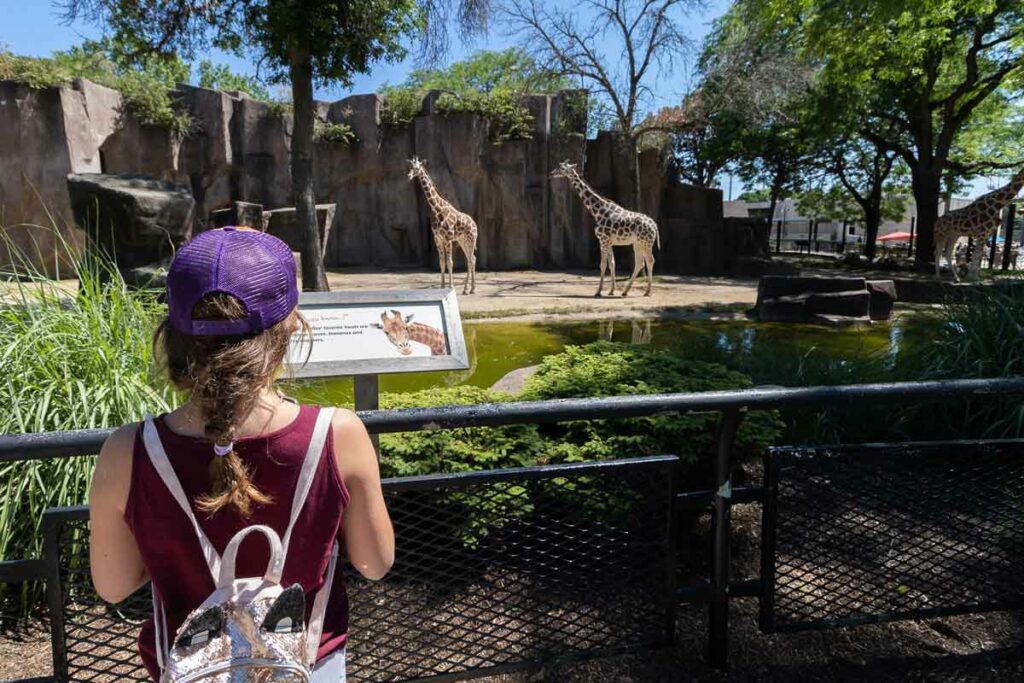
798	231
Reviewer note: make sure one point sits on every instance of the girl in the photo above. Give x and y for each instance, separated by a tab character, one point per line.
236	446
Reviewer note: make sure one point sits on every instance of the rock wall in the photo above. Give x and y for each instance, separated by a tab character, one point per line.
238	150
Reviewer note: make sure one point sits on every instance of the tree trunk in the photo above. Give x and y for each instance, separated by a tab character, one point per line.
926	184
301	72
872	219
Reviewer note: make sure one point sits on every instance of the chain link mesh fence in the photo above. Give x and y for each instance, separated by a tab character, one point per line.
494	571
865	534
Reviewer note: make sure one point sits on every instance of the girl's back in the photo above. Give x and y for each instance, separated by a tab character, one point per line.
169	546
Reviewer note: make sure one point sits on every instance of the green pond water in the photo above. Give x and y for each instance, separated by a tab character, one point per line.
498	348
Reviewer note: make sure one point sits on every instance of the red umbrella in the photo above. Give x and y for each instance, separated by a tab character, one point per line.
896	237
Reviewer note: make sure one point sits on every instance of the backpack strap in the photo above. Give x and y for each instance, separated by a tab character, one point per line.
316	448
313	455
158	456
316	618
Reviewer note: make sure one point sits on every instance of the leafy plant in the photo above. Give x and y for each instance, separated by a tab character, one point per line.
509	119
221	77
333	133
401	106
68	360
611	369
455	450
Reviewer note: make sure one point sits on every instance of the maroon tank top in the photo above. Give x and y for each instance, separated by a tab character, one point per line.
170	549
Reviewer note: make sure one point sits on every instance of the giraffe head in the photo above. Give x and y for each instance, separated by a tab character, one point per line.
565	170
397	329
416	167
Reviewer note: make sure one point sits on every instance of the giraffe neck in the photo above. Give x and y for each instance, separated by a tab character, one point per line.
1005	194
591	199
436	203
424	334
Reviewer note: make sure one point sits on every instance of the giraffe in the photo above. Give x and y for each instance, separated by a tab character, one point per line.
401	333
450	226
615	226
978	220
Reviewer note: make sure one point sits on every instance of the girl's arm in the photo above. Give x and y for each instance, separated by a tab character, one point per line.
369	538
117	569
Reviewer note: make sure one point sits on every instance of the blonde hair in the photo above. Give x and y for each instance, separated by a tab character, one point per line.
224	376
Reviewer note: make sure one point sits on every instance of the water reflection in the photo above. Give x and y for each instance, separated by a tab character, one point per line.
770	353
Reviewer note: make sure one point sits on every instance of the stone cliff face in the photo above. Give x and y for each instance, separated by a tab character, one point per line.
239	148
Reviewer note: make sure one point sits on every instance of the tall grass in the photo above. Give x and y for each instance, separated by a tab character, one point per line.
68	360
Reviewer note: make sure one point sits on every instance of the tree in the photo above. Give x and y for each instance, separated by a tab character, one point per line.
865	172
298	41
488	71
647	36
764	107
925	66
616	47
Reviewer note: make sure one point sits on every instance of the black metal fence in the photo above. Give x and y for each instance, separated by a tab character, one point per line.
542	563
495	571
864	534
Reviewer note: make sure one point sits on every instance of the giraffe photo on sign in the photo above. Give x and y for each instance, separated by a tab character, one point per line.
372	332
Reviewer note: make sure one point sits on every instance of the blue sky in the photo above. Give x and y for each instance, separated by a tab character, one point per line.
34	27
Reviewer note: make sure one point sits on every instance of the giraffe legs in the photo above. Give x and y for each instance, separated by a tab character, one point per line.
639	263
611	268
649	262
974	268
606	251
442	258
469	249
451	265
950	251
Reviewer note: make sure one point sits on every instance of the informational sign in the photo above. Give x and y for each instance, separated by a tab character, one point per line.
370	333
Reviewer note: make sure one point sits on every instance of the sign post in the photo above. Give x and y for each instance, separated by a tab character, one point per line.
366	334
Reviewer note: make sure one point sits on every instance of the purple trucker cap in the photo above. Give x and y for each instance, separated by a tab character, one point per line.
256	268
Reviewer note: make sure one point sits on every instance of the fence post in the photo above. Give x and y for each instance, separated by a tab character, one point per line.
778	238
992	251
718	607
1011	210
367	397
910	245
55	598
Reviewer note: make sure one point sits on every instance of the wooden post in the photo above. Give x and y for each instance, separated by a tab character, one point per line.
778	238
367	395
1011	211
842	247
910	247
992	251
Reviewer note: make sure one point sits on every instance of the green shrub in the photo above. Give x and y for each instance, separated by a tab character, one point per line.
220	77
145	88
611	369
280	108
509	119
333	133
455	450
401	106
67	361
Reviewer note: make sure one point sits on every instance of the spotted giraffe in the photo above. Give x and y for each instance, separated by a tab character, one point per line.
450	226
615	226
400	333
977	221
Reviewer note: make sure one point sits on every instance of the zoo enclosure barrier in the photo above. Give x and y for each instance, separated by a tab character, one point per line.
507	552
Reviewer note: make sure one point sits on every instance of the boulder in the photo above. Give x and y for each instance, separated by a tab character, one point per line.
772	286
784	309
851	304
138	220
283	224
883	296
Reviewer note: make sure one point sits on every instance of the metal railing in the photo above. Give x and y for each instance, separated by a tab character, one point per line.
732	405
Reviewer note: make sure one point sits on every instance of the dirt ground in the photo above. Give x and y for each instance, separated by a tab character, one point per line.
539	294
